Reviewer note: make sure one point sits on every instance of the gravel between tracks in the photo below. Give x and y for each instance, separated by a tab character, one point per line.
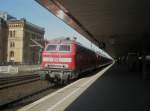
16	92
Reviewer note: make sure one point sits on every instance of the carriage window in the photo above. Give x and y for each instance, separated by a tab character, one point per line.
51	48
64	48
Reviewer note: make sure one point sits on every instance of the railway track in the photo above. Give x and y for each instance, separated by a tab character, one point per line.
12	83
6	82
20	102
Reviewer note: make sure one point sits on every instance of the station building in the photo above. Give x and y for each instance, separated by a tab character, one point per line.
21	48
6	16
3	41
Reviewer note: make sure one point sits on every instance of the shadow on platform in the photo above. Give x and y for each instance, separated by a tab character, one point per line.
117	90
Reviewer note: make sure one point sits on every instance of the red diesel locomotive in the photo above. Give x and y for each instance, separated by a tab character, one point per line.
63	60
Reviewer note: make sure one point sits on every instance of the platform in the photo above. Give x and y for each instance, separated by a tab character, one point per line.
112	89
117	90
62	98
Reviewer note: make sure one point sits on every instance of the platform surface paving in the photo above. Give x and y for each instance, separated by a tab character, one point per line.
116	90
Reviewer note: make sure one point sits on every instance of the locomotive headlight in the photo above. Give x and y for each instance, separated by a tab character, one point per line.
65	66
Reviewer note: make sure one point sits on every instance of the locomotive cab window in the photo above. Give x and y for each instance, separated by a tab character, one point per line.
64	48
51	48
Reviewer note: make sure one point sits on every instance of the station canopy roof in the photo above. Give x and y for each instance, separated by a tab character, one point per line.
117	26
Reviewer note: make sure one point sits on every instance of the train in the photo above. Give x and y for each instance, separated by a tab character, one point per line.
65	60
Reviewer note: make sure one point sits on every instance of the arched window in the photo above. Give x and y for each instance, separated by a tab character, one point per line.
11	53
10	33
12	44
14	33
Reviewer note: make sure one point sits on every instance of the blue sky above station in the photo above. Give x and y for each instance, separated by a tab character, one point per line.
36	14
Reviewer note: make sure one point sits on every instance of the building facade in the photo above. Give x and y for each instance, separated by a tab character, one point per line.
6	16
21	48
3	41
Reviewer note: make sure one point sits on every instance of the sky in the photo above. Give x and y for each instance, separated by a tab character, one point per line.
36	14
